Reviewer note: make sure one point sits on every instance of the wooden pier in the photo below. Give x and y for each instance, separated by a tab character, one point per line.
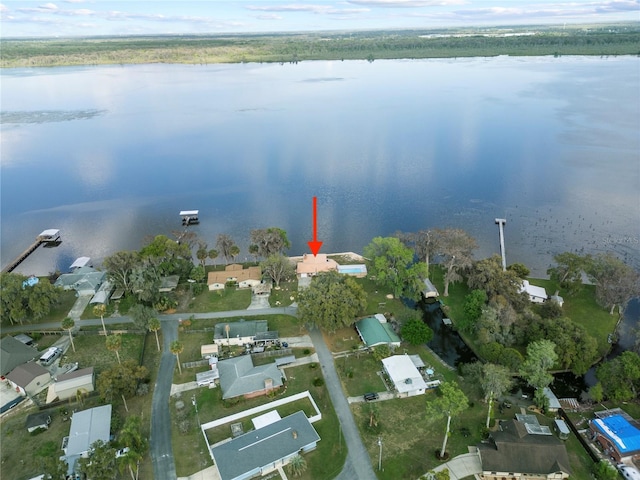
47	237
501	223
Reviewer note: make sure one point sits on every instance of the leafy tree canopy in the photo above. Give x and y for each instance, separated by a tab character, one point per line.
101	464
21	303
416	332
616	282
120	380
278	267
393	266
568	271
541	356
487	275
119	268
270	241
456	247
620	377
331	301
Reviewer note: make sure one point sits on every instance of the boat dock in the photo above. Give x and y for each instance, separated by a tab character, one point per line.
51	236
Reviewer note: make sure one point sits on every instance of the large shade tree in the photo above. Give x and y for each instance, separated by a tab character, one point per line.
393	266
450	402
120	266
487	275
541	356
567	271
616	282
270	241
101	465
331	301
620	377
24	303
423	243
278	268
494	381
456	247
121	380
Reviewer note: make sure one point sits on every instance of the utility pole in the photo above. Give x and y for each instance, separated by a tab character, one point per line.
380	457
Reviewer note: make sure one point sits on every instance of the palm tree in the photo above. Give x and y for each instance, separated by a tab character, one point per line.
297	465
176	348
131	436
68	324
100	310
213	254
234	251
81	394
201	253
154	326
114	342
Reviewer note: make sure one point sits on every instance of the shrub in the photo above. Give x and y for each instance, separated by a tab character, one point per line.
318	382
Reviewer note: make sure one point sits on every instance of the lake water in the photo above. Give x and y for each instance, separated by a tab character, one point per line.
110	155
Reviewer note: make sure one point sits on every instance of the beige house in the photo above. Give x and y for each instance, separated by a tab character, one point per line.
312	265
29	378
243	277
68	385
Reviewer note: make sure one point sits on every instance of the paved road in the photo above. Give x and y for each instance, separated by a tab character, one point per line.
164	467
358	464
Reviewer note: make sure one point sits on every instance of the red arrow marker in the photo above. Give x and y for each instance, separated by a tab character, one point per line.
315	245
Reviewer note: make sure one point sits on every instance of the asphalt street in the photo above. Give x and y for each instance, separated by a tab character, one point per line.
358	464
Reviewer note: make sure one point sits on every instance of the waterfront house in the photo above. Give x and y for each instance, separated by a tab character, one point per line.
84	280
312	265
536	294
242	277
264	449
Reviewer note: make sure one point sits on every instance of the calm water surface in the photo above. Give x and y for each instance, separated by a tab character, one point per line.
110	155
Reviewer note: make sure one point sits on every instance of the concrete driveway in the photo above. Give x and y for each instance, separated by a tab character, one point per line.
462	466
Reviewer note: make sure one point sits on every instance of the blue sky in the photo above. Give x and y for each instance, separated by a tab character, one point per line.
23	18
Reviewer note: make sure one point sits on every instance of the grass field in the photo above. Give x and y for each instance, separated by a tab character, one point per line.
220	300
92	351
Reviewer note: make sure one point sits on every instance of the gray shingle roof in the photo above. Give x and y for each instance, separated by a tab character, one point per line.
13	353
515	450
24	374
264	446
238	376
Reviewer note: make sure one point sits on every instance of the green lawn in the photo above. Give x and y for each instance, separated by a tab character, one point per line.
359	374
583	309
377	301
92	351
281	296
286	325
189	447
220	300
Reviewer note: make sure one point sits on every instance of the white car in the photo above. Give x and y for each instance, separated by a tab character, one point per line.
122	452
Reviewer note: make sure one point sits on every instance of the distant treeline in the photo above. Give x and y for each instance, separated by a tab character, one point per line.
619	39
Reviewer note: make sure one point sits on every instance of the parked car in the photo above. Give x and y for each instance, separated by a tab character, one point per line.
122	452
368	397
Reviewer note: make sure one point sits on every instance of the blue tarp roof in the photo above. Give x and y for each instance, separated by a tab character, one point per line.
623	434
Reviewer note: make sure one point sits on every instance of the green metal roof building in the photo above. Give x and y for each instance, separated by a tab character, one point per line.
376	331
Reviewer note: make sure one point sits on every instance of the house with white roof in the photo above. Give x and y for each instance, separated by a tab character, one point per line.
405	376
87	427
536	294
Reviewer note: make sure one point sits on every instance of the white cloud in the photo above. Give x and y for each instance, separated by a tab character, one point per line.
408	3
306	8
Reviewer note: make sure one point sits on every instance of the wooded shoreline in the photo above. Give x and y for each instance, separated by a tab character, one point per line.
594	40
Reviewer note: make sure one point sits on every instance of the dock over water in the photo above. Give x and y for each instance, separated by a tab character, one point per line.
51	236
